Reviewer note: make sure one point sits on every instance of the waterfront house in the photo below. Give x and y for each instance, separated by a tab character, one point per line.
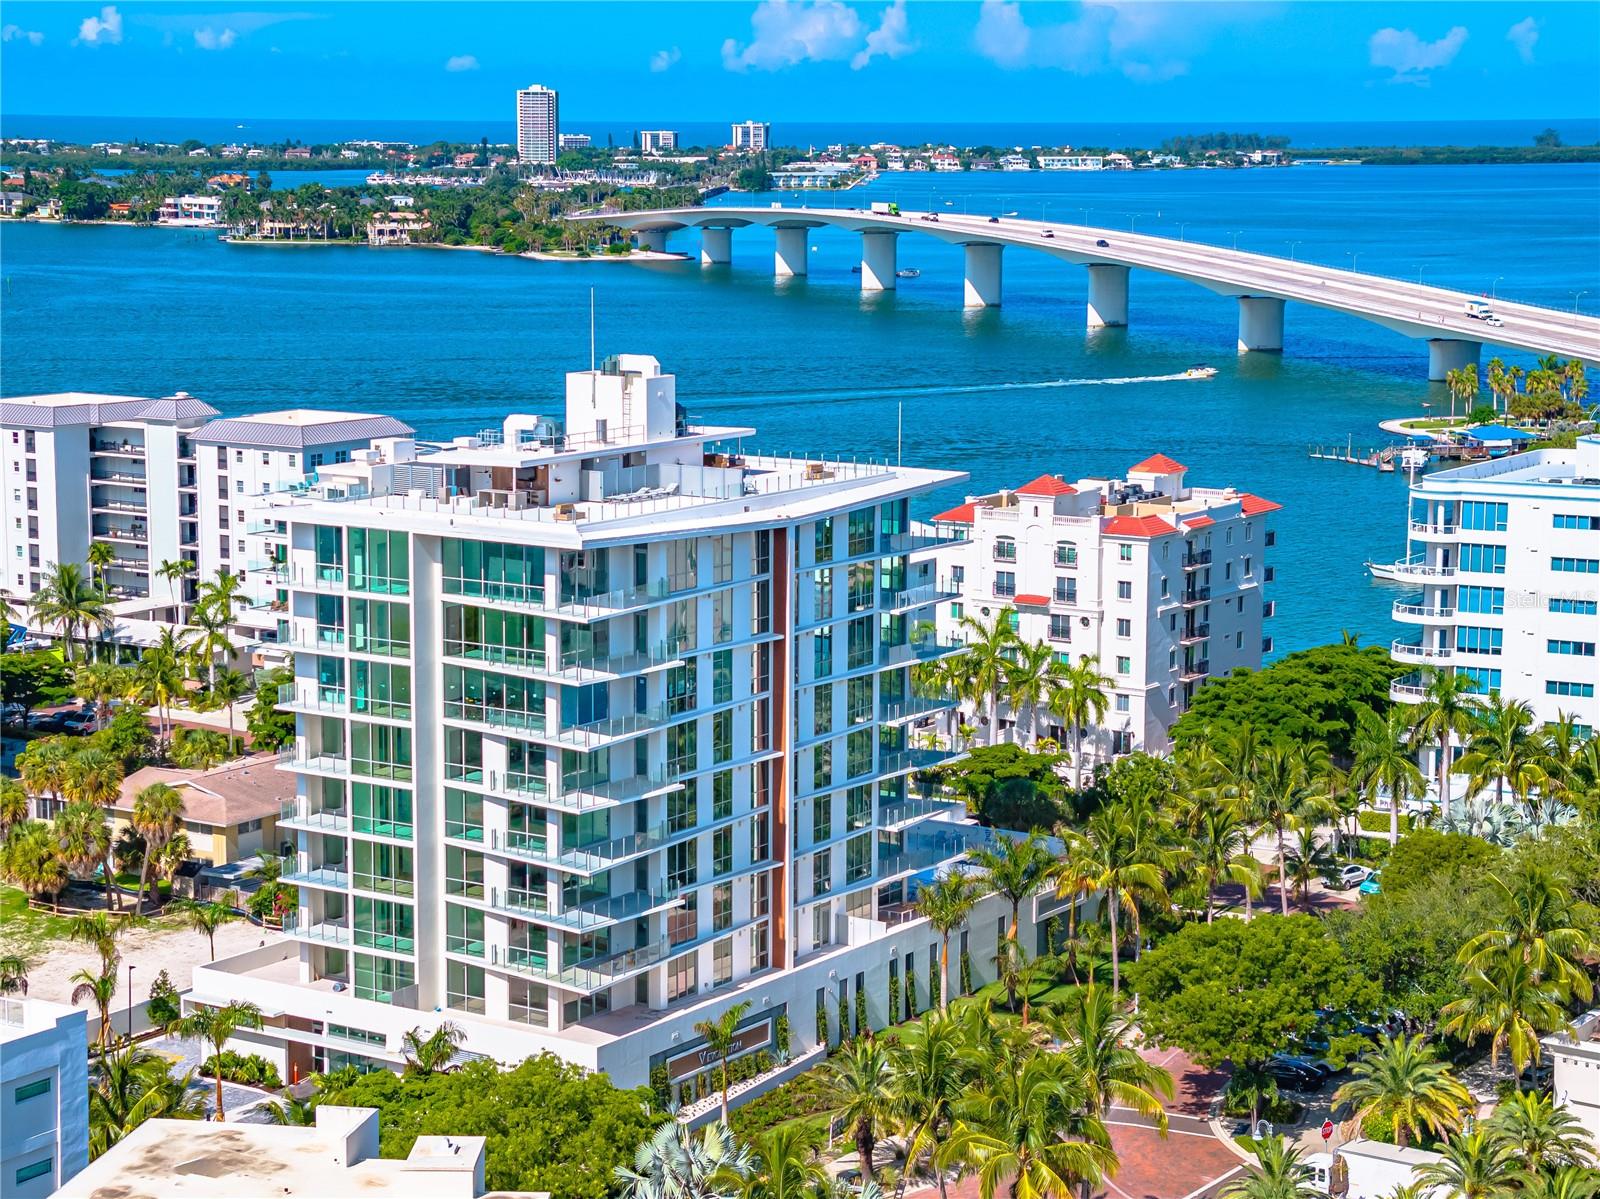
396	228
190	210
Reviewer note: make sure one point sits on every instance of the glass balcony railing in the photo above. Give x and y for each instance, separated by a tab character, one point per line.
334	878
894	711
919	649
587	976
478	712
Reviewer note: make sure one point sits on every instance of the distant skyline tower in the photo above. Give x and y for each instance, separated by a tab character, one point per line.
538	124
751	136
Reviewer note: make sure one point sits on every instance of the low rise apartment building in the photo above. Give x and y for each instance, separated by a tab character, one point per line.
1161	582
1505	556
601	729
44	1093
657	141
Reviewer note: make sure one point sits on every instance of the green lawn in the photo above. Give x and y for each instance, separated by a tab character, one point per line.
26	931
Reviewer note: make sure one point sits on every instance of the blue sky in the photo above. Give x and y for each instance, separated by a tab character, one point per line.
789	60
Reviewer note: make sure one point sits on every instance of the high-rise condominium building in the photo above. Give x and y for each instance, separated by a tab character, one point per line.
1507	566
44	1087
751	136
159	481
657	141
538	125
602	727
573	141
1160	582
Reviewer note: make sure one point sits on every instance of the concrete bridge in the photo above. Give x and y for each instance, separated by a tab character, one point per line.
1259	282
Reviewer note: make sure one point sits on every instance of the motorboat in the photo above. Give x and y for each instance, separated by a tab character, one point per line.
1385	571
1200	372
1414	457
910	272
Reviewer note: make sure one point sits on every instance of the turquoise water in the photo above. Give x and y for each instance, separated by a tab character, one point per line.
449	341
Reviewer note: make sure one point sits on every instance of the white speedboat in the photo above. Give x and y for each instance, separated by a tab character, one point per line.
1382	570
1413	457
1200	372
910	272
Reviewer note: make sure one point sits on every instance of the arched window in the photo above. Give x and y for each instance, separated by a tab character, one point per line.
1066	553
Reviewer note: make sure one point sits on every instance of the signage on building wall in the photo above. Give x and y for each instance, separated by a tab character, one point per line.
747	1040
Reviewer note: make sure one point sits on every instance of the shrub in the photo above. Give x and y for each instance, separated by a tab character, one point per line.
251	1070
863	1024
894	998
966	973
822	1024
660	1086
164	1007
783	1036
1378	822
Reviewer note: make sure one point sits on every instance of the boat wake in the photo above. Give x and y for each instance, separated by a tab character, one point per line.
938	389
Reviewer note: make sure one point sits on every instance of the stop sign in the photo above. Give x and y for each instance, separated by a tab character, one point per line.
1327	1130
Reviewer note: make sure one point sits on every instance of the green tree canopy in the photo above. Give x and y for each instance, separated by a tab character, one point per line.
34	679
1426	855
1236	991
1310	695
550	1125
1007	787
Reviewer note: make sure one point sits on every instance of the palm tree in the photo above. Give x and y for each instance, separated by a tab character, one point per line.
43	766
132	1085
1473	1165
101	931
1011	1131
1564	1182
1308	860
1403	1083
1095	1034
1080	699
431	1054
101	988
1029	678
94	777
158	679
71	602
1118	861
1384	762
1543	1135
1014	871
172	573
1447	710
721	1035
83	838
228	686
990	648
209	635
206	918
14	974
13	806
1276	1174
674	1163
783	1165
946	903
33	861
157	817
100	683
222	594
296	1113
1220	849
1285	791
216	1026
1538	924
856	1084
929	1070
1507	1001
1502	750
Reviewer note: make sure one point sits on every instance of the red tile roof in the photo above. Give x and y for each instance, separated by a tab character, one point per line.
1138	526
1254	505
1199	522
1157	464
1047	485
961	515
1031	601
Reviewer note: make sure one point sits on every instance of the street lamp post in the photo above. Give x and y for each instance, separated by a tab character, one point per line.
1182	225
1292	247
1133	216
1086	212
1353	255
130	1002
1236	233
1576	296
1494	289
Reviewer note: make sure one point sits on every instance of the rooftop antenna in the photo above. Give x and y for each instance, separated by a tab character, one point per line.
591	329
899	431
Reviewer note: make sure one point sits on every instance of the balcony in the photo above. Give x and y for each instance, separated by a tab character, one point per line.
113	475
584	665
1409	612
132	536
900	761
910	543
899	711
896	816
928	852
1194	596
1416	567
330	765
123	507
323	933
596	913
1408	689
1192	671
328	878
918	597
118	449
920	649
1195	559
313	700
1412	651
1194	633
1431	529
585	977
296	814
471	711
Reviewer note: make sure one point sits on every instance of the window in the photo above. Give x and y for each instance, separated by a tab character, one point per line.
1580	649
1551	687
858	699
1005	549
721	852
1060	627
1066	553
1484	559
859	587
682	977
1573	607
857	808
380	560
34	1170
956	611
1575	566
821	767
1005	583
1491	601
722	795
822	873
681	865
1475	640
859	646
32	1090
1123	704
1564	520
1066	591
1124	627
1124	665
722	737
722	676
1124	589
862	532
1124	552
722	962
1482	516
857	859
822	543
1480	681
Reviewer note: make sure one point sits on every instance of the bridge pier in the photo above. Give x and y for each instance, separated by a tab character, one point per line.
878	248
1260	324
653	239
716	245
790	256
1446	354
1108	295
982	283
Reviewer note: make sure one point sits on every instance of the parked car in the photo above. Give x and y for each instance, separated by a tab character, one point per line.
47	722
1295	1078
1537	1076
1103	244
1049	233
1371	885
12	714
994	220
1319	1068
1351	875
81	721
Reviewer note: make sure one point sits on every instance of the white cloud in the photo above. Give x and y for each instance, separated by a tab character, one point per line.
892	37
1524	35
1145	40
208	38
788	32
461	62
102	30
663	60
1411	58
15	33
